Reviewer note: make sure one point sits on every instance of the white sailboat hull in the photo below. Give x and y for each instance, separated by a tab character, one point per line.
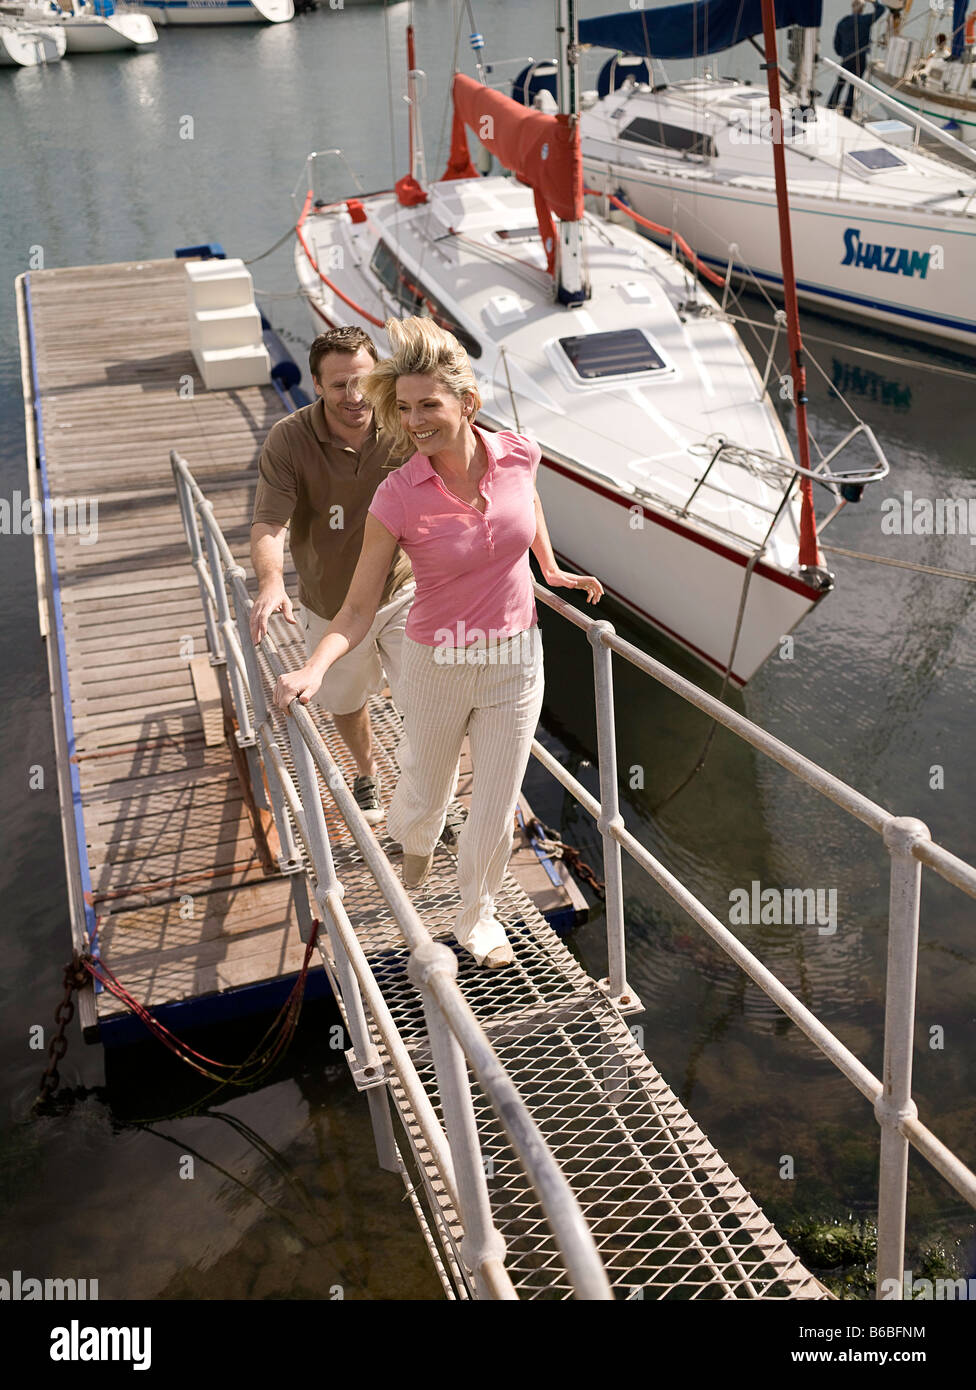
220	11
98	34
28	47
896	246
940	302
669	575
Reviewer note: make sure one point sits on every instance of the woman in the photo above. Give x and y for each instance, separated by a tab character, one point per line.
465	509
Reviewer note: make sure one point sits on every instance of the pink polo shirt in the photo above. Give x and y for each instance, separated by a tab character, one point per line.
472	571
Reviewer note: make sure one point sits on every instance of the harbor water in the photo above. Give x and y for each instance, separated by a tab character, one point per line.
116	157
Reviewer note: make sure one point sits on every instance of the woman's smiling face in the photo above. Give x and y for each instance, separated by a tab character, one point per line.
429	413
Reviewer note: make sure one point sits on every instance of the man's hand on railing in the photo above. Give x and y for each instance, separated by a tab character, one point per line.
269	601
300	685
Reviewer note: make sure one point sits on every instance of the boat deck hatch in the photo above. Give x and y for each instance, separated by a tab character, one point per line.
876	160
623	352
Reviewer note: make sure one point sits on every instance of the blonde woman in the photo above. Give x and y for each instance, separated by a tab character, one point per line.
465	510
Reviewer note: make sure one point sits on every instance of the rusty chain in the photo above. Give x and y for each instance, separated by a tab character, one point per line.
75	978
547	839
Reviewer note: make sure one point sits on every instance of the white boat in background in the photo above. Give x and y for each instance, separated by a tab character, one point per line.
219	11
935	84
880	229
665	469
94	27
25	45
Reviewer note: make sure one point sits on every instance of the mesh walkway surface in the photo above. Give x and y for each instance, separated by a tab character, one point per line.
669	1217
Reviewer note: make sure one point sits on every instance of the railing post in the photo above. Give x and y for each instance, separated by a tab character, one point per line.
289	861
895	1103
483	1247
610	818
367	1067
192	531
245	736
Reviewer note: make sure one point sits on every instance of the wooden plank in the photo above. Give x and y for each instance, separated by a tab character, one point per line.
208	698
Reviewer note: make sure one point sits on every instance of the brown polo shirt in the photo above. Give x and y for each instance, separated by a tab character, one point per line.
324	488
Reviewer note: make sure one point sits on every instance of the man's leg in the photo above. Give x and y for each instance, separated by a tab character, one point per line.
344	694
357	734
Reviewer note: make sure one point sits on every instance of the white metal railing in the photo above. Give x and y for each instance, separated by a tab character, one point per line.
454	1031
910	845
456	1037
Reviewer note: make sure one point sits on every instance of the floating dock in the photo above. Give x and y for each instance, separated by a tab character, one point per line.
171	862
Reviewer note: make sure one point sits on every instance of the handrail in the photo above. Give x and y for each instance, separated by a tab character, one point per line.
455	1033
910	846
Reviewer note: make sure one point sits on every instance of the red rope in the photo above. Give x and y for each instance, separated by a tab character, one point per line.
101	972
679	240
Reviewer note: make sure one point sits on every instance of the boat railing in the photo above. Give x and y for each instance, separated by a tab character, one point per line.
305	182
773	466
454	1031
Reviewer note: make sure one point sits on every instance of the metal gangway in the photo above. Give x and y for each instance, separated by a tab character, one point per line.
570	1168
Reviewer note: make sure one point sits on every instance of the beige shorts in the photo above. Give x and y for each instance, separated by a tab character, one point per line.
360	673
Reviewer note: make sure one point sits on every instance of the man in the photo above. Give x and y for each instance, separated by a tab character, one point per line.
319	469
852	39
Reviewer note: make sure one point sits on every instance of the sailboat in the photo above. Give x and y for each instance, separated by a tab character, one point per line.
934	84
219	11
882	230
94	26
665	469
27	45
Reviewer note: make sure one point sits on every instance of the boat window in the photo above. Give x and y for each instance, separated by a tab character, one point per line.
413	297
623	352
878	158
645	131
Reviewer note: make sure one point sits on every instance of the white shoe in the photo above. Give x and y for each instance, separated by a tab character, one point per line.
498	957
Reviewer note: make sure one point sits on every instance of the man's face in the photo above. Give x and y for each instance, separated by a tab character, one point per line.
338	385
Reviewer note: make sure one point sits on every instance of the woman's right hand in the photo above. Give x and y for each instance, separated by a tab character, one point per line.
298	685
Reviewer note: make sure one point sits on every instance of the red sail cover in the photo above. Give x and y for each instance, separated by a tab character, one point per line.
540	150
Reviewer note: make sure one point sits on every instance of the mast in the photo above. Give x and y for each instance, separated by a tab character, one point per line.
571	286
810	557
415	76
803	72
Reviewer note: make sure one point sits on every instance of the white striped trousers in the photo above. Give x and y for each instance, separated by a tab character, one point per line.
496	702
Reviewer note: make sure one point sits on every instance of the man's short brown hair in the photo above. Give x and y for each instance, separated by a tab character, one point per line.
348	340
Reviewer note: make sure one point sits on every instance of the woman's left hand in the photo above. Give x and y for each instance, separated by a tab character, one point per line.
561	580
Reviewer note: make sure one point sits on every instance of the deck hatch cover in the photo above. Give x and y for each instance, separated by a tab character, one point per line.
622	352
876	159
644	130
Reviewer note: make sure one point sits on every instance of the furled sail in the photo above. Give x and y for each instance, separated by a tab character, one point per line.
541	150
692	30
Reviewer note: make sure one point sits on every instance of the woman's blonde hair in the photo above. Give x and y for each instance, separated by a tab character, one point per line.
420	348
